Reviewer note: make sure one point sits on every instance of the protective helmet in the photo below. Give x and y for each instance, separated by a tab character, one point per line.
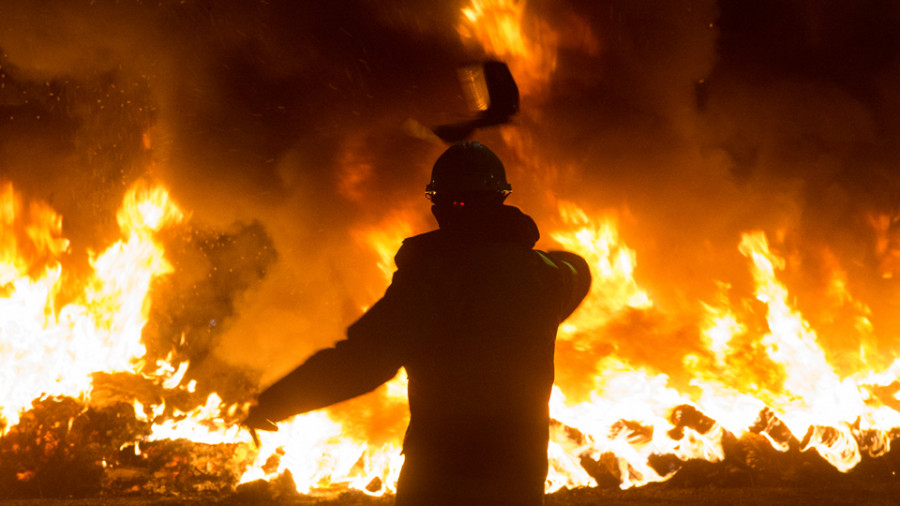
467	167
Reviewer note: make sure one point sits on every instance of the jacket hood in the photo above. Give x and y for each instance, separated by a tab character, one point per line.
494	224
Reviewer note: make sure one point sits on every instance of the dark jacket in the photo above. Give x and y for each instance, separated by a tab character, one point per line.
472	314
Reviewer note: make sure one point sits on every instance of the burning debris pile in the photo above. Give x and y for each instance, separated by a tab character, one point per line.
58	448
77	443
62	448
767	454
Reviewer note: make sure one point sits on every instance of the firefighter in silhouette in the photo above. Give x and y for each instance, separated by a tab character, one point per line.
472	314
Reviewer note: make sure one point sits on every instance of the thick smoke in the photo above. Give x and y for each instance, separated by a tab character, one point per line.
694	121
287	113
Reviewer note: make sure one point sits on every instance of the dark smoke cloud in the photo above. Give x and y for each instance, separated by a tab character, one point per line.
701	119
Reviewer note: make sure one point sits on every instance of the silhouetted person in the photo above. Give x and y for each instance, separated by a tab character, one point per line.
472	314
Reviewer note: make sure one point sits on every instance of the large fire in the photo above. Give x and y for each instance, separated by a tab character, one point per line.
759	367
53	348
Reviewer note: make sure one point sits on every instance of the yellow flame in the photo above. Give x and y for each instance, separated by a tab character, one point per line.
386	240
612	266
500	27
813	394
627	416
322	456
49	352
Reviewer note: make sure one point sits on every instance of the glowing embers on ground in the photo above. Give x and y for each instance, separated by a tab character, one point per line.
50	350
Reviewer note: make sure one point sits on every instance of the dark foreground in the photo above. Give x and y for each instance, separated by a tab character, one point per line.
786	478
876	494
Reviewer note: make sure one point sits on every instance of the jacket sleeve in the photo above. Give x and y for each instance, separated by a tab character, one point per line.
576	279
371	354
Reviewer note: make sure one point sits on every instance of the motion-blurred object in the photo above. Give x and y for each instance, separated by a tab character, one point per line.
490	92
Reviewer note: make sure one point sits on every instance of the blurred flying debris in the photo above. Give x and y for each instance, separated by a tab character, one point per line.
491	95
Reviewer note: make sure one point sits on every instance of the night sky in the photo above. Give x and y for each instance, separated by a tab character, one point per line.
694	120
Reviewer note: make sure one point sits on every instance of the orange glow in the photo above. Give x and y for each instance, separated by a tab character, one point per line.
54	351
321	455
512	32
887	243
792	376
385	239
628	414
500	27
612	268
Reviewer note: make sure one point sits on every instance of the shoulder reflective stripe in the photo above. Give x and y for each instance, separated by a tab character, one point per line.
547	260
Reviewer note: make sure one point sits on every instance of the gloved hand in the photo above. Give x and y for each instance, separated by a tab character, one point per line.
257	418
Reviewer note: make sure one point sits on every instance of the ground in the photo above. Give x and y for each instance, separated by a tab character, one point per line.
875	494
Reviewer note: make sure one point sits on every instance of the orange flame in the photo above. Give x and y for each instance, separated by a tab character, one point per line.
612	268
499	26
50	352
509	31
626	417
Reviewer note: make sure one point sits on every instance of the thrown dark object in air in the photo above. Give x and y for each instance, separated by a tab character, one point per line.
491	92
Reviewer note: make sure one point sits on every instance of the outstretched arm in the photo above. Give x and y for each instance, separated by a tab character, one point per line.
329	376
371	354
